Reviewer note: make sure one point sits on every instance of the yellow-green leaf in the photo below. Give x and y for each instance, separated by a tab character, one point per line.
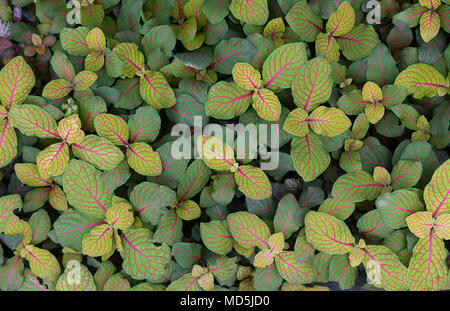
328	121
16	81
57	89
84	79
215	153
120	216
421	80
69	129
43	263
112	127
267	104
28	174
296	122
156	91
246	76
430	24
188	210
52	161
98	241
95	39
143	159
437	192
253	182
342	20
328	47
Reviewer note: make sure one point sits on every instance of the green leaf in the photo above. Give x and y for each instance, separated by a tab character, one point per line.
98	151
16	81
144	125
287	218
359	42
186	254
52	161
40	224
32	120
342	272
282	65
169	230
216	236
255	13
328	234
150	201
70	281
143	159
303	250
156	91
267	279
386	270
72	225
112	127
304	21
436	193
421	80
253	182
73	40
84	188
227	100
248	230
356	187
229	52
42	263
309	156
8	142
293	271
337	208
312	85
427	269
398	205
373	225
215	10
11	274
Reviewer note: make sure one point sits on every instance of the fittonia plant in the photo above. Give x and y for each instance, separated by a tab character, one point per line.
350	174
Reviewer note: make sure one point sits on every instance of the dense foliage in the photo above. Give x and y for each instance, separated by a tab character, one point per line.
354	100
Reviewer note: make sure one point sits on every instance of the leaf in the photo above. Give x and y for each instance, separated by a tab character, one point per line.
227	100
304	21
253	182
215	153
312	85
420	224
255	13
62	66
32	120
248	230
143	159
395	207
16	80
144	125
11	274
57	89
69	129
216	236
267	105
42	263
98	151
429	25
342	20
215	10
185	283
328	234
337	208
400	36
188	210
132	58
359	42
437	191
84	189
267	279
229	52
293	271
186	254
246	76
309	157
282	65
92	15
52	161
328	121
169	230
410	16
421	80
373	225
98	241
8	204
40	224
427	269
381	66
112	127
356	187
342	272
352	103
73	40
120	216
156	91
89	109
8	142
287	220
141	258
29	175
69	281
303	250
150	201
406	174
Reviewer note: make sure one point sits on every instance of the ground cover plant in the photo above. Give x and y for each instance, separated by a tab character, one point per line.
127	159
